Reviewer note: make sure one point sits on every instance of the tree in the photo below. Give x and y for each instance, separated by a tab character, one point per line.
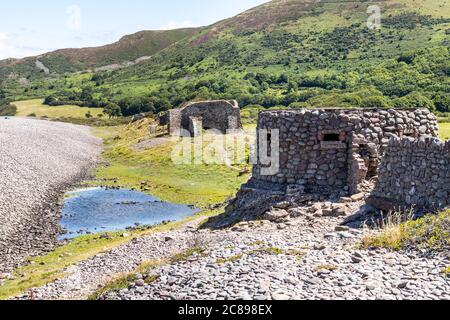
50	100
442	102
86	94
414	100
2	93
112	110
376	102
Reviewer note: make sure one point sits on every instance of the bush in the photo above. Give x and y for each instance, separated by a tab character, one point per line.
50	100
8	110
134	105
299	105
376	102
112	110
414	100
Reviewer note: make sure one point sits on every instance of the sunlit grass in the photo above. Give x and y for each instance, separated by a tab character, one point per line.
196	184
26	108
444	130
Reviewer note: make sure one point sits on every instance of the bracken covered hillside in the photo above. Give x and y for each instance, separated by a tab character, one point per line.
127	49
291	52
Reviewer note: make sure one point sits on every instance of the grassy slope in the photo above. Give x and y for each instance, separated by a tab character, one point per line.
284	37
201	185
128	48
25	108
444	129
225	52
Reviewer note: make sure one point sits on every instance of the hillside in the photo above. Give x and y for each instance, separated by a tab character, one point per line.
290	52
126	50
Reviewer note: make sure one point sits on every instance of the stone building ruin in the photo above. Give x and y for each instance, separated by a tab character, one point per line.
335	150
413	173
221	115
326	154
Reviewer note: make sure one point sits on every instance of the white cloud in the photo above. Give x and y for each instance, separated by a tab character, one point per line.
177	25
9	49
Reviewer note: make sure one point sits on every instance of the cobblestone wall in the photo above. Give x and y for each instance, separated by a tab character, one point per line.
414	173
333	150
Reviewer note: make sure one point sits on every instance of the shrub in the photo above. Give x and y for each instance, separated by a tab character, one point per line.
50	100
376	102
414	100
299	105
8	110
112	110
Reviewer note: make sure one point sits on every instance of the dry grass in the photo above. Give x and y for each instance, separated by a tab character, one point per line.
398	231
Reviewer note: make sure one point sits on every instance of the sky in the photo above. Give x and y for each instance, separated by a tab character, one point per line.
30	28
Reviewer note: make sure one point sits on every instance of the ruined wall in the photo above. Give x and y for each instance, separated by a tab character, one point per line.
414	173
221	115
323	150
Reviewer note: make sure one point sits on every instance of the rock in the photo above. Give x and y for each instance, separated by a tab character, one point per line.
356	259
280	297
340	211
283	205
168	238
319	247
358	197
345	235
140	283
138	117
342	228
276	215
371	286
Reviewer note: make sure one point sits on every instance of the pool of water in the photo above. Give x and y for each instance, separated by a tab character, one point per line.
99	210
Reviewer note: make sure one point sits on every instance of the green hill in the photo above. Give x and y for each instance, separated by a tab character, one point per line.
127	49
291	52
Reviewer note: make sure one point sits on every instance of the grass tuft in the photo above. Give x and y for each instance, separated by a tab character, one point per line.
431	232
230	259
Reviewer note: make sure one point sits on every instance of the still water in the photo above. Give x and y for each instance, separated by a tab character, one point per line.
99	210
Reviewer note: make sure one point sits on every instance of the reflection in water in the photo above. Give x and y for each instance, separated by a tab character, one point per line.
99	210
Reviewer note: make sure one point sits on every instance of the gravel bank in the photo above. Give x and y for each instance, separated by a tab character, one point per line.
39	161
304	258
